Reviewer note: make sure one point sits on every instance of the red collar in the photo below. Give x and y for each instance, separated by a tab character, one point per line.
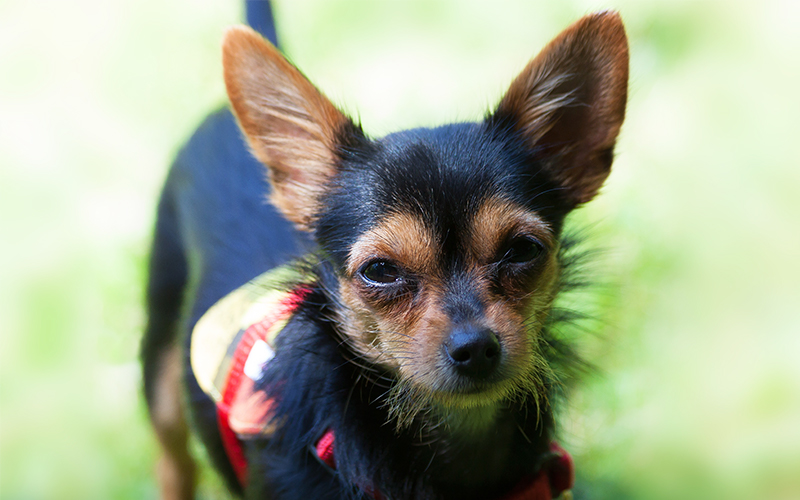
555	477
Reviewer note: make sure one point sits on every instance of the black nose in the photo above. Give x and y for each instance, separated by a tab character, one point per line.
474	351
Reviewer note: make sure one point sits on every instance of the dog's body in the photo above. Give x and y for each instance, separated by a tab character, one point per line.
422	337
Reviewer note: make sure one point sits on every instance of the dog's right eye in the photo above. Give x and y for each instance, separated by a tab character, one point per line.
380	272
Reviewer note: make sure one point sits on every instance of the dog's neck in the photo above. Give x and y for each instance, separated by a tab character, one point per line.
488	445
471	422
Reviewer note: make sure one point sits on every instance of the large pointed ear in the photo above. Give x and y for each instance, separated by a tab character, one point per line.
290	126
568	103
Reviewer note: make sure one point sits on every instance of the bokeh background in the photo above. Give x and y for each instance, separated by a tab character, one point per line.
697	391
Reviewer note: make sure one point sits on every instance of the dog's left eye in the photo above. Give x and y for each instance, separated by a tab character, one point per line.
381	272
522	250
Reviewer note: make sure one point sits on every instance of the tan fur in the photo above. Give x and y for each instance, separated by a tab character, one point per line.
496	220
176	468
290	126
403	239
400	237
570	99
407	333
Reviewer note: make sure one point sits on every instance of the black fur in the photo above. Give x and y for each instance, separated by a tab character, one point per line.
215	232
442	174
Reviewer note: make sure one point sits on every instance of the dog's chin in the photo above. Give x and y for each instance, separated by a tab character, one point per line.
465	410
458	403
472	396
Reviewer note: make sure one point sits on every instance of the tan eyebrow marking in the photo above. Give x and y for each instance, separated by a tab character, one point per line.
401	237
496	220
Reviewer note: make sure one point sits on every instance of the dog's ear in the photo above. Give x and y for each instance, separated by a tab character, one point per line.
290	126
568	103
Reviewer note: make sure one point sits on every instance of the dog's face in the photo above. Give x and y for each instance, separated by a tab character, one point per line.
445	240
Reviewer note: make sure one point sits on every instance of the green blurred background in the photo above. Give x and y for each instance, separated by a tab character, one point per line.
698	389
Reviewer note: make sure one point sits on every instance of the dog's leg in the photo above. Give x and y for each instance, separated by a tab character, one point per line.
161	351
176	468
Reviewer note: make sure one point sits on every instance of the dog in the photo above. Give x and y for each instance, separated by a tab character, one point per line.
395	338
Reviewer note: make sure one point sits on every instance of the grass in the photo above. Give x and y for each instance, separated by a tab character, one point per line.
698	389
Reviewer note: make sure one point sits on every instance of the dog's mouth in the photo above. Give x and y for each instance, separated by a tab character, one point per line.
446	392
473	397
455	390
453	399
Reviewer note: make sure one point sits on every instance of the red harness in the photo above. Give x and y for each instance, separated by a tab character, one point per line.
243	411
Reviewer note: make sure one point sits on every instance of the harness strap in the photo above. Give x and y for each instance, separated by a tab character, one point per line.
245	410
324	449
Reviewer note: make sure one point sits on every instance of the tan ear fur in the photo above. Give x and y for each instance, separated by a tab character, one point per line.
290	126
569	103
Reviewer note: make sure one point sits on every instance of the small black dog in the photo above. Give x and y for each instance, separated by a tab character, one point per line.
409	355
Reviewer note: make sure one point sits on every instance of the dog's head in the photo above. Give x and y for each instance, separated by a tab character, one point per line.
445	240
